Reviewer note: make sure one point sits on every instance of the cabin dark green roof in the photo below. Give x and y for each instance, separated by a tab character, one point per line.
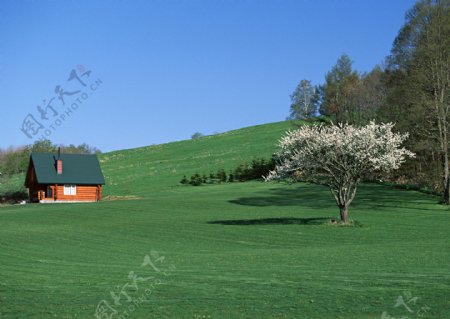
80	169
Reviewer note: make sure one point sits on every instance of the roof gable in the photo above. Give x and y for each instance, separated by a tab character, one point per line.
76	169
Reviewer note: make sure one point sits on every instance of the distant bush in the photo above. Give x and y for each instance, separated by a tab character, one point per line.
184	180
243	172
221	176
15	159
253	171
13	197
196	180
196	135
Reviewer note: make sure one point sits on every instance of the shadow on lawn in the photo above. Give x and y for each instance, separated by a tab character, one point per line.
368	196
275	221
306	195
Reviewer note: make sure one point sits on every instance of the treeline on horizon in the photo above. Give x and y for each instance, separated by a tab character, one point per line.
411	89
15	159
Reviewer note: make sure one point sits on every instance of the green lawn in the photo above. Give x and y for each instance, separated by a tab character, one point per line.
144	170
240	250
246	250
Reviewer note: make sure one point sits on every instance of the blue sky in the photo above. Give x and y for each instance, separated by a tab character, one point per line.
162	70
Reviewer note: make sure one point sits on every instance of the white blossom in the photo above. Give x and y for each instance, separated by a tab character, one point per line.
343	154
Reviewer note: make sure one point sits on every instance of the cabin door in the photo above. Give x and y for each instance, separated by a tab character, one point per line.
49	193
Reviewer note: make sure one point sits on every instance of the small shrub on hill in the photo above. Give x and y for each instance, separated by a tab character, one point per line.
243	172
196	180
221	176
184	180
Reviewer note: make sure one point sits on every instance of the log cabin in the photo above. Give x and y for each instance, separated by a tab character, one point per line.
53	178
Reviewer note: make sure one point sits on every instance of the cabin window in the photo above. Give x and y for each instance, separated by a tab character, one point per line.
70	189
49	193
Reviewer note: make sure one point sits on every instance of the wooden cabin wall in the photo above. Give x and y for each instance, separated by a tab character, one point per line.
84	193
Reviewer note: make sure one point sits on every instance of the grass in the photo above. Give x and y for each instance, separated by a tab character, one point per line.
248	250
12	189
241	250
159	167
155	168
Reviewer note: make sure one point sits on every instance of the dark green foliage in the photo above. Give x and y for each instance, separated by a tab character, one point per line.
254	171
44	146
348	96
196	180
80	149
337	96
243	172
13	197
196	135
221	176
239	173
15	160
184	180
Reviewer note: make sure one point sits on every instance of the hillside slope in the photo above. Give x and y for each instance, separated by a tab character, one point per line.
148	169
153	168
236	250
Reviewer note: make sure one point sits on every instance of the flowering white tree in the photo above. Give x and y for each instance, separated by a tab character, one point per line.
342	155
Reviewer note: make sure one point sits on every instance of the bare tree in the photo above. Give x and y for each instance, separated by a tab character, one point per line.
304	101
422	52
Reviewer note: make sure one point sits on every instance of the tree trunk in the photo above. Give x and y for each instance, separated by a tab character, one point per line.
343	210
447	185
446	173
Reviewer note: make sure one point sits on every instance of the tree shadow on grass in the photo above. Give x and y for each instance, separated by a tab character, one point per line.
368	196
306	195
275	221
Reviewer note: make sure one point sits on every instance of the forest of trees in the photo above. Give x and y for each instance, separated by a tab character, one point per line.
15	160
412	90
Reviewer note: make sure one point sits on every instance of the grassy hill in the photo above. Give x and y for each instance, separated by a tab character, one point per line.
154	168
240	250
12	187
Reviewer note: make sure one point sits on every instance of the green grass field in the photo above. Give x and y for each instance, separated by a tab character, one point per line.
240	250
144	170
